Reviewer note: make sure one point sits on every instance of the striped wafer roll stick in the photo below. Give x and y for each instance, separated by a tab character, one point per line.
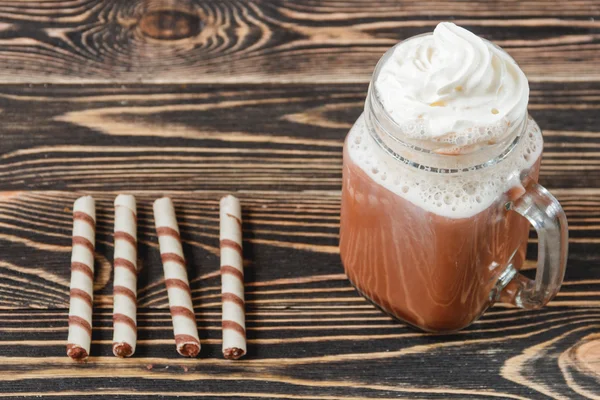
125	282
82	278
232	279
176	280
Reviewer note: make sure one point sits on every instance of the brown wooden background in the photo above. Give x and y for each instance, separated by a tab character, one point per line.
198	98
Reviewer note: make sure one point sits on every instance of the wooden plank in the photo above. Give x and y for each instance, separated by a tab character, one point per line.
260	137
304	230
274	41
297	232
310	335
503	345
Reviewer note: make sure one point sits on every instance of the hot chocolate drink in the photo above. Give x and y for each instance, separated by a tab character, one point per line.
432	168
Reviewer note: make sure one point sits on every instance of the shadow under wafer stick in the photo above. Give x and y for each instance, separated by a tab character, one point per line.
125	281
176	280
82	278
232	279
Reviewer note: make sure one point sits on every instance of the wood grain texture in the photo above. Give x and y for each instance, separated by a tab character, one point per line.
307	328
276	40
195	98
174	137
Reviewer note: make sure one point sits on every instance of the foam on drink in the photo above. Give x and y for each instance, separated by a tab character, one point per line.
459	196
451	93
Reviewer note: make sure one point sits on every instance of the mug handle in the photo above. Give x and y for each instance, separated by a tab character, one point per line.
548	218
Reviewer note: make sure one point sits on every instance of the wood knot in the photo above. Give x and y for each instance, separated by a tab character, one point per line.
170	24
584	356
587	355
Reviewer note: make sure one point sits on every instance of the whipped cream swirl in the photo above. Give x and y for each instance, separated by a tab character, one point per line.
453	92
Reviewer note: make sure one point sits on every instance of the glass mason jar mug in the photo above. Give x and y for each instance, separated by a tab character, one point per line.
434	239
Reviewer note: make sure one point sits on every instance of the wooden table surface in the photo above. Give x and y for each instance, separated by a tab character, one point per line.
198	98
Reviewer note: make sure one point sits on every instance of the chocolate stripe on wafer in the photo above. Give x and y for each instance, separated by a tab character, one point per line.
227	324
233	298
81	267
124	319
123	263
126	237
82	323
239	221
228	269
79	240
185	338
176	281
166	231
226	243
177	311
125	282
123	291
166	257
83	295
79	215
232	278
82	283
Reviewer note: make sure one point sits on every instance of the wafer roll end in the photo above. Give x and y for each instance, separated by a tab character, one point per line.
233	353
161	203
87	204
126	200
187	346
122	350
164	213
229	201
76	352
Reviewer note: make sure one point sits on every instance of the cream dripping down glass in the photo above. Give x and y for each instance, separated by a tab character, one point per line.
440	186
